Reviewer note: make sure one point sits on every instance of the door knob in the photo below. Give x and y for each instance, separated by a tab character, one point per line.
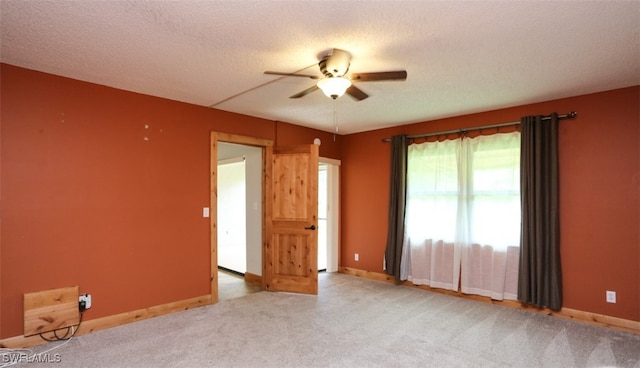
312	227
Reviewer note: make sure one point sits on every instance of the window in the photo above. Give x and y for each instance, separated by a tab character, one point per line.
463	214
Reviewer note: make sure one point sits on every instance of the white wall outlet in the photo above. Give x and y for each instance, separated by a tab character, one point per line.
611	296
205	211
356	257
84	302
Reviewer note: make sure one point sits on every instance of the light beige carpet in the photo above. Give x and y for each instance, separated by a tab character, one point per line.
353	322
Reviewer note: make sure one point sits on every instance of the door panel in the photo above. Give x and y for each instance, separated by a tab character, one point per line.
293	250
291	203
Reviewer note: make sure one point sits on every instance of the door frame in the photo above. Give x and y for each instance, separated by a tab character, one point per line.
213	201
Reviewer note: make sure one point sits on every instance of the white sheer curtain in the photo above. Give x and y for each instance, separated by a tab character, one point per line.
463	215
430	255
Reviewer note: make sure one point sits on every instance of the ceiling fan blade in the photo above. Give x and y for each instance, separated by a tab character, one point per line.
305	92
379	76
292	74
356	93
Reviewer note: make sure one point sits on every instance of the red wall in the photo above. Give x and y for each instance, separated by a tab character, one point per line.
289	134
599	195
87	201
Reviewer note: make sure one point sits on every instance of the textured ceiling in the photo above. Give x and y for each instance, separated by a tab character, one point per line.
461	57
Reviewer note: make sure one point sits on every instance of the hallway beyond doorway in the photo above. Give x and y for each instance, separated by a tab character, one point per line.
232	285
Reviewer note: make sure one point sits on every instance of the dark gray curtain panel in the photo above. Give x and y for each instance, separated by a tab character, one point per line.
540	276
397	202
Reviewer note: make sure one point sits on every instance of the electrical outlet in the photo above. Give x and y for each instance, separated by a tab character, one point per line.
611	296
356	257
84	302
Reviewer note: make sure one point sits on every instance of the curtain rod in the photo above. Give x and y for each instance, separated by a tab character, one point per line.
570	115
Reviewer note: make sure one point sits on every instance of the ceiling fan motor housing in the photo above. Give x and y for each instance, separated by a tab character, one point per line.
335	64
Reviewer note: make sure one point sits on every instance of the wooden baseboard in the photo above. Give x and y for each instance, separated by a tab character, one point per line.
102	323
596	319
252	278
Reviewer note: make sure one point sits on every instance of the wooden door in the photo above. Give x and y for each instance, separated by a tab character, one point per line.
291	219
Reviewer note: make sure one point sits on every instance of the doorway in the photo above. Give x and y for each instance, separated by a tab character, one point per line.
239	219
239	208
328	214
237	150
232	212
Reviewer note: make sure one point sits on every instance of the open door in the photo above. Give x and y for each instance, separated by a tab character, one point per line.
291	219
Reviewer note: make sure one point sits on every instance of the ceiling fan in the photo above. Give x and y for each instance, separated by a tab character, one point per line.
335	82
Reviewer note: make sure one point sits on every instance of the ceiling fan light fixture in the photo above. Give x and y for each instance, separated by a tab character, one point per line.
334	87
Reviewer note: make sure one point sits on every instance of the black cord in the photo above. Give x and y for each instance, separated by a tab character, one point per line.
55	333
66	335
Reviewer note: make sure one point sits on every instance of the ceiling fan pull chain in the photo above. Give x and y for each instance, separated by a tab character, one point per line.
335	120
